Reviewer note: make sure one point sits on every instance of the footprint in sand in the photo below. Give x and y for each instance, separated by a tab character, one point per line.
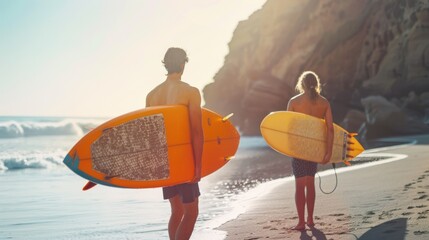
421	197
336	215
423	215
370	213
420	232
384	214
345	218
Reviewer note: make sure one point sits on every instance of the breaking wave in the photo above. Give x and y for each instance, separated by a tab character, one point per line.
15	129
36	160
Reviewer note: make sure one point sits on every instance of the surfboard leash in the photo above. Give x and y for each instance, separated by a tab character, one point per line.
336	181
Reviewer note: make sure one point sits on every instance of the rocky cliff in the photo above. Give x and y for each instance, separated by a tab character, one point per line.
358	48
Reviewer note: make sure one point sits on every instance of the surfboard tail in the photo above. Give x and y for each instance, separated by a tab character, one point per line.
354	148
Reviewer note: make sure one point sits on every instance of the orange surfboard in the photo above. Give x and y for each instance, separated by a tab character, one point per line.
151	148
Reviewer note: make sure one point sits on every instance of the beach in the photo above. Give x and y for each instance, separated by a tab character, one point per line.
385	199
249	198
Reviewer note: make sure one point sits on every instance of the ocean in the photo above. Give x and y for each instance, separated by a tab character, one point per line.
41	198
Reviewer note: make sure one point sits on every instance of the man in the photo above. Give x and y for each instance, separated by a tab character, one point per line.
183	197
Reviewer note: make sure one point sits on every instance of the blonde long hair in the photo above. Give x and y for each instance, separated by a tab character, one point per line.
309	81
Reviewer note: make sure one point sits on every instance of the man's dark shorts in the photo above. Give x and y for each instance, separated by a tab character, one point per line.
187	192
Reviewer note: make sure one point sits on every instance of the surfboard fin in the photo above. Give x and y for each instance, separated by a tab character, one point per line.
89	185
229	158
224	119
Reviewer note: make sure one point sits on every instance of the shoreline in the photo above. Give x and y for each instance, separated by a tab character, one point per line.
266	216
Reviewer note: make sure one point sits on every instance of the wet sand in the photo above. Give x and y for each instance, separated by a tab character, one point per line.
385	201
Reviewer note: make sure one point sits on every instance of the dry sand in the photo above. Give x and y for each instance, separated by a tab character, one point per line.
385	201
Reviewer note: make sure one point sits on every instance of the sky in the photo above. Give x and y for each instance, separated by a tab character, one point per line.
99	58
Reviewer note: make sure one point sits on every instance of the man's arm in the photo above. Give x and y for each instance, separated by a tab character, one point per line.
196	130
329	134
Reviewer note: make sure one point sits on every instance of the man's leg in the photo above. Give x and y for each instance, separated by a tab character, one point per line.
176	216
186	227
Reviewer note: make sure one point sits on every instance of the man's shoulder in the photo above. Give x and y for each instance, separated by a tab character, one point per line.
190	89
153	91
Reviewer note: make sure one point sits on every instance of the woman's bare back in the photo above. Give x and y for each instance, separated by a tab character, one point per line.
304	104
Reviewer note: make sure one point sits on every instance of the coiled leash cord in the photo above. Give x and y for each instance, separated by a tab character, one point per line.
336	181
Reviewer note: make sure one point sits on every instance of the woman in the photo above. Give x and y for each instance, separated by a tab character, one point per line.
310	102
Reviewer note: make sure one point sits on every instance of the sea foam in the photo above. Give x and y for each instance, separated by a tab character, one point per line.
35	160
15	129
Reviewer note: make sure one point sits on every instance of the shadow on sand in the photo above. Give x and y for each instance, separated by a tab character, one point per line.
315	234
393	230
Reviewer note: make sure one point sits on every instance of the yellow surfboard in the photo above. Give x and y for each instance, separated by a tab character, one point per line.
151	148
302	136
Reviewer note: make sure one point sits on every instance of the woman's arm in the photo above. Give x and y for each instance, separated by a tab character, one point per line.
329	134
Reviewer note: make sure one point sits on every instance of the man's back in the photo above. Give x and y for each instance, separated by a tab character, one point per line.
172	92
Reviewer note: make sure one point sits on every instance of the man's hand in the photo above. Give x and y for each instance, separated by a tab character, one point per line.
197	176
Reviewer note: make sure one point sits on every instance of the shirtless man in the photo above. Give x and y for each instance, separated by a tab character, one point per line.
310	102
183	197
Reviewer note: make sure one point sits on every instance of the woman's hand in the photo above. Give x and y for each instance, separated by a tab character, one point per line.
326	158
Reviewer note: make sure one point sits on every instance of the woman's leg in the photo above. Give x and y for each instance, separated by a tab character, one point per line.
310	199
300	201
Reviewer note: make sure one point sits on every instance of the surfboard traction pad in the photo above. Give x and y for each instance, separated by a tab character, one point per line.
135	150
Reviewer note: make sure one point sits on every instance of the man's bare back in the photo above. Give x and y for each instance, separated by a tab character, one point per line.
173	92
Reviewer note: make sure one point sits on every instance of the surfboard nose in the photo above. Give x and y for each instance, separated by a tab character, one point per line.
71	163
